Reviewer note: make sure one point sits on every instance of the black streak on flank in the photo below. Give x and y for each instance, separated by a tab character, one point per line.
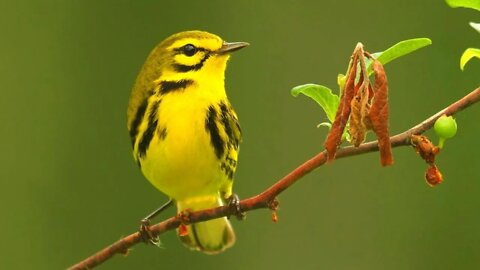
237	125
137	120
185	68
162	133
226	124
228	170
212	128
170	86
150	131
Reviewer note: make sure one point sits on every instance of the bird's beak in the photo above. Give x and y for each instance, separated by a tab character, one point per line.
229	47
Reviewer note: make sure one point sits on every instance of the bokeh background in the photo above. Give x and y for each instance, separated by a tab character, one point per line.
69	185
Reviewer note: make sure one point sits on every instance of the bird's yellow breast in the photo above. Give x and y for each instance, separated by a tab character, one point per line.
181	162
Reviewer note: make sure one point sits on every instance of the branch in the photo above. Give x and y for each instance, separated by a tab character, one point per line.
266	199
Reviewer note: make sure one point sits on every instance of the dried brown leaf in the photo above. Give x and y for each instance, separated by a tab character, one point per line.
334	137
379	114
425	148
359	111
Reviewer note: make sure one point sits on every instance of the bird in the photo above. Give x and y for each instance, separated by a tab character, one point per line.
184	132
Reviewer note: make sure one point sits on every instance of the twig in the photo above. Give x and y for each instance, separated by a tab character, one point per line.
266	199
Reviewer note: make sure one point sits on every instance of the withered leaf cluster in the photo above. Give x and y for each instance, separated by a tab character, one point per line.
364	105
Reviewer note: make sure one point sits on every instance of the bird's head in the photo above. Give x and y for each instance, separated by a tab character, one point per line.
192	53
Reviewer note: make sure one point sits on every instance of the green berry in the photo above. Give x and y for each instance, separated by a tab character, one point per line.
446	128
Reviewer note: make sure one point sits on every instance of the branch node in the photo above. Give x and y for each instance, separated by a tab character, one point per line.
273	206
124	251
184	217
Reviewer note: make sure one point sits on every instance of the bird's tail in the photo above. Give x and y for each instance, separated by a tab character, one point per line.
212	236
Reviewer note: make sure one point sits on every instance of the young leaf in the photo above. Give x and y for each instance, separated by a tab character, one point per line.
400	49
322	95
475	26
474	4
467	55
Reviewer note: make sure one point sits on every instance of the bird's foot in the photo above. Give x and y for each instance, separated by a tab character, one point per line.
144	230
146	234
233	202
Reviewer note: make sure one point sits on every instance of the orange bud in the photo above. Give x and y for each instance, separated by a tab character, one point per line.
274	216
182	230
433	176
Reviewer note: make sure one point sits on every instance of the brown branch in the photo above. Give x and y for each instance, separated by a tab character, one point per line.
266	199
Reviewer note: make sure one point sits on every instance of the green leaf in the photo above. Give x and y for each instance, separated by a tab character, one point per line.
322	95
467	55
400	49
474	4
475	26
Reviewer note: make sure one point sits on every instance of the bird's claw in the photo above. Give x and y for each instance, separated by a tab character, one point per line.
146	234
234	205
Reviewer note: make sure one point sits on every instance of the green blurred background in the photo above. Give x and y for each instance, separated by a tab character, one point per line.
69	185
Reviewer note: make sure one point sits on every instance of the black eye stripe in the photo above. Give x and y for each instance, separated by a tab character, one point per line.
186	68
199	49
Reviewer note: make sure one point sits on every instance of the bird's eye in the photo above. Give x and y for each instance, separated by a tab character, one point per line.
189	50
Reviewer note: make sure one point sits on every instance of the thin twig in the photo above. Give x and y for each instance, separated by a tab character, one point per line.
267	197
